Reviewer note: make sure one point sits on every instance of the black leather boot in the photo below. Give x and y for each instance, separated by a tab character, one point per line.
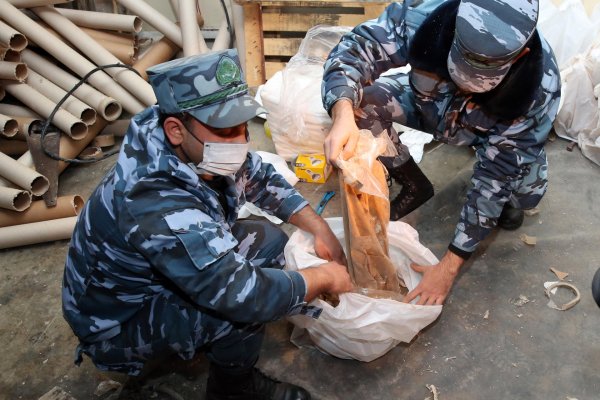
596	287
511	218
416	188
249	385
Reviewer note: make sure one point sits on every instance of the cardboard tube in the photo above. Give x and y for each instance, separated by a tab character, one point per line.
13	71
175	8
11	38
73	105
13	147
22	176
117	128
8	126
11	55
88	46
66	206
106	106
14	199
64	120
18	111
189	27
104	140
24	124
72	59
101	20
222	40
124	38
36	3
126	53
159	22
159	52
37	232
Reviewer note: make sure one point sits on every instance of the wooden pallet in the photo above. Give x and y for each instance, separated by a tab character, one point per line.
273	29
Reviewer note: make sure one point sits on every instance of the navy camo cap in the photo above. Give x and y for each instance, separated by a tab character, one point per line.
210	87
488	35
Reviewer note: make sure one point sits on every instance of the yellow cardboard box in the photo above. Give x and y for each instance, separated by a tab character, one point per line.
312	168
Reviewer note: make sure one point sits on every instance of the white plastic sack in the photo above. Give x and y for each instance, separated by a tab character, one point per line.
297	120
361	327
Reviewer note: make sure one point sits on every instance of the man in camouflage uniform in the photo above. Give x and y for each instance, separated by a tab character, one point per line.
481	75
158	262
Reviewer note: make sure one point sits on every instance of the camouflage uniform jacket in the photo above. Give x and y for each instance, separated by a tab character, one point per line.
505	148
153	225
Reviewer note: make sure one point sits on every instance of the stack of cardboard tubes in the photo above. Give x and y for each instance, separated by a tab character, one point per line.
36	40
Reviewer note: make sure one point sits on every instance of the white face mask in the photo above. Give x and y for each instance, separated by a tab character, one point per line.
221	158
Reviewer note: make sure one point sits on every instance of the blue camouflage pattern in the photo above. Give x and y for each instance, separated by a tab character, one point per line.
210	86
154	236
511	163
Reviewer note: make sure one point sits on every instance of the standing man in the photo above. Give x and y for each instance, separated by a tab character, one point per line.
158	262
481	75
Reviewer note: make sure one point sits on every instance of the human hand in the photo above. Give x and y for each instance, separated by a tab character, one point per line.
328	247
331	278
343	135
437	280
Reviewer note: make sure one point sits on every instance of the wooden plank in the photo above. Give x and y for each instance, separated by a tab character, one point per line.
276	22
281	47
271	67
253	36
374	11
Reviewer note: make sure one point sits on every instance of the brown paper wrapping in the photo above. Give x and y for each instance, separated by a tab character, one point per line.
11	38
64	120
55	93
88	46
13	71
66	206
13	147
14	199
107	107
8	126
101	20
71	58
23	176
36	232
159	52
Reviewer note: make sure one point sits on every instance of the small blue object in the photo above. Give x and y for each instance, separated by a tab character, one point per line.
326	197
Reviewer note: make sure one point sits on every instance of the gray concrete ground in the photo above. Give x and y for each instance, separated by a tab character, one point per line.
520	351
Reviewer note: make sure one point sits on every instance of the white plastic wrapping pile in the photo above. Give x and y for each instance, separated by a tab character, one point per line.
575	39
297	119
361	327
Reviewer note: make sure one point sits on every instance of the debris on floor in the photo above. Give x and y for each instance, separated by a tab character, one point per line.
532	212
56	393
521	301
487	314
559	274
107	386
433	391
551	290
530	240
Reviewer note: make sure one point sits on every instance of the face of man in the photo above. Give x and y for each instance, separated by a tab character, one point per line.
189	137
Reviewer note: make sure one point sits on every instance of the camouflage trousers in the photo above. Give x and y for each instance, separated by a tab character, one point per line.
391	99
171	324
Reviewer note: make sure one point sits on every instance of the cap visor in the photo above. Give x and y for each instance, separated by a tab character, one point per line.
231	113
470	78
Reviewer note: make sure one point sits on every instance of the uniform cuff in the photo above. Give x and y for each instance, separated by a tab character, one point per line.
460	252
298	292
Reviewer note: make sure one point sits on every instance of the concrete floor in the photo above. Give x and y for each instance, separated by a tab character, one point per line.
524	351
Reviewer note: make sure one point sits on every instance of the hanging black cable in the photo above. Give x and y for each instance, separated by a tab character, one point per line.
48	121
231	31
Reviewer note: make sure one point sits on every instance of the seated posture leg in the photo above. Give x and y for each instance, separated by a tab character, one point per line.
388	100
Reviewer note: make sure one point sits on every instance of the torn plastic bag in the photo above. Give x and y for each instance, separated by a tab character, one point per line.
361	327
